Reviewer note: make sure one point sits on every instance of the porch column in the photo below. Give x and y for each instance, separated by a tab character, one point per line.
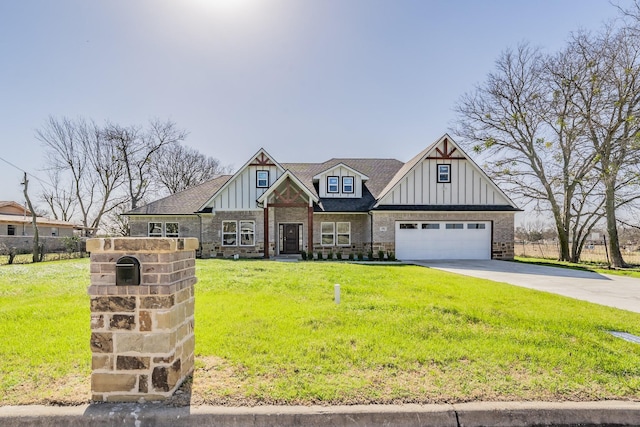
266	231
310	228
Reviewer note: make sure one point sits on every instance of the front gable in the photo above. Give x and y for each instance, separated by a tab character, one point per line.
340	181
250	182
288	190
442	174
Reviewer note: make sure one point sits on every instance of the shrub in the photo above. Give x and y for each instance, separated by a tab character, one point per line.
304	255
330	255
339	255
360	256
310	256
351	256
381	255
71	243
391	256
12	252
370	255
319	255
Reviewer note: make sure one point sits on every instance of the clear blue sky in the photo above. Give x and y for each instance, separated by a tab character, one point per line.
306	79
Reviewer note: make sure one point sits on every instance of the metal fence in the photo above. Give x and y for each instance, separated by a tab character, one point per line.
590	253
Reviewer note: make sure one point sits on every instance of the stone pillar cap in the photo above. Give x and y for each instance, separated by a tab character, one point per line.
142	244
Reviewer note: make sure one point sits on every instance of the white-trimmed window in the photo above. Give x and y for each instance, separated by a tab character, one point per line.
444	173
347	184
247	233
262	179
171	229
229	233
327	230
343	233
333	184
54	231
408	226
476	226
155	229
431	226
11	230
335	233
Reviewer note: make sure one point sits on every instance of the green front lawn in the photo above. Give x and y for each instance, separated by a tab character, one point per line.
270	332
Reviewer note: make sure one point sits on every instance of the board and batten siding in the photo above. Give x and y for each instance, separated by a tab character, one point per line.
241	192
340	171
468	186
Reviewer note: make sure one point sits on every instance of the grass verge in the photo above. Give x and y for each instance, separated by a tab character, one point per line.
633	271
270	333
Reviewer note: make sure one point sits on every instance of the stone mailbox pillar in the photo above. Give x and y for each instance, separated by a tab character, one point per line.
142	338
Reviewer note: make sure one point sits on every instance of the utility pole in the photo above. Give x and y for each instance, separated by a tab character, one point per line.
36	239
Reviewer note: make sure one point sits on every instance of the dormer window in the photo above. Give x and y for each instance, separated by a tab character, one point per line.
444	173
347	184
262	179
333	184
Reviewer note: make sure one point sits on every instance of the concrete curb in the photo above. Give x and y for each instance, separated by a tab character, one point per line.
609	413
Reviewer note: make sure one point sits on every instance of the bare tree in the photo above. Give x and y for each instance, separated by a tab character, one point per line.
520	117
178	167
532	230
78	150
608	101
116	223
137	150
59	197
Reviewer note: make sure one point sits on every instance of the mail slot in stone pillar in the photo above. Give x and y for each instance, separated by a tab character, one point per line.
142	316
127	271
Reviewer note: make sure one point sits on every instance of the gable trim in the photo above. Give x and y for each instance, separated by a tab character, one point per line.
341	165
287	174
424	155
260	156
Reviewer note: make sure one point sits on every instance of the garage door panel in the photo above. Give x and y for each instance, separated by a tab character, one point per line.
443	240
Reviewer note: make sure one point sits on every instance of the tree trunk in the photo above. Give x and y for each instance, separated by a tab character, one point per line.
36	238
563	243
612	227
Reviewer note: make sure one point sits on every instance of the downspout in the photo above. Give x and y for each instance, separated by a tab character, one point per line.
371	231
200	233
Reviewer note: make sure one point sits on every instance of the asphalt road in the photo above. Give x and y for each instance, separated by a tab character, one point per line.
613	291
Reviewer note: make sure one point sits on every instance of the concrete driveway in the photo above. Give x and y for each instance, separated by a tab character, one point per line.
614	291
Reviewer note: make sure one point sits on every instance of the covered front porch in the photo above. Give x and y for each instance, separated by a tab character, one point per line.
288	217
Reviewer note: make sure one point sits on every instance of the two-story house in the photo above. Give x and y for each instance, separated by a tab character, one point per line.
438	205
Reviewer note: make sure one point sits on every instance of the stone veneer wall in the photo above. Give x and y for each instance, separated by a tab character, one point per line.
360	234
142	337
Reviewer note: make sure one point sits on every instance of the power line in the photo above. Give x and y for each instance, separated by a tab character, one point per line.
627	224
28	173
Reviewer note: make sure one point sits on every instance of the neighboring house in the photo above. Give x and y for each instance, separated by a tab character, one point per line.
438	205
16	220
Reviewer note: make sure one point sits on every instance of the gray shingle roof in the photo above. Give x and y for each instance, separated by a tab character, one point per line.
183	202
383	174
379	171
362	204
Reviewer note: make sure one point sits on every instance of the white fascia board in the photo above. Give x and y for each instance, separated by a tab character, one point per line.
350	169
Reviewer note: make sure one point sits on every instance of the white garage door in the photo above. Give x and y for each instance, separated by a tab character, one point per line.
443	240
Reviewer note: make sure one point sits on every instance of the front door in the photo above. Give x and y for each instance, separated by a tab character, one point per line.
291	239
